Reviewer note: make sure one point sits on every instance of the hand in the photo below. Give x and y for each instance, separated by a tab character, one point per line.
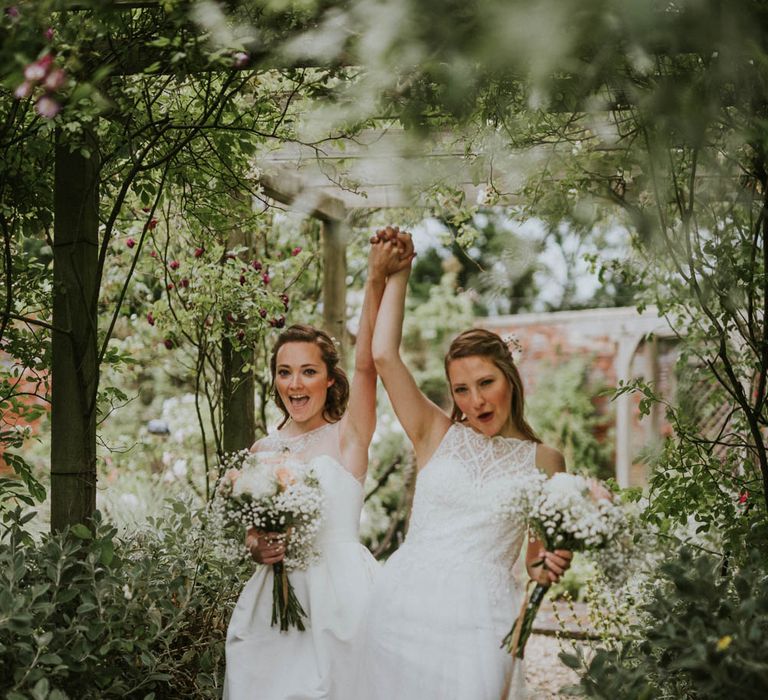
391	237
265	547
555	564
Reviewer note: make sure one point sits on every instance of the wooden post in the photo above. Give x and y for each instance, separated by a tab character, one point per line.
335	282
623	363
74	372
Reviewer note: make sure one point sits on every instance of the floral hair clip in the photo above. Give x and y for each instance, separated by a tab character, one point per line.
512	342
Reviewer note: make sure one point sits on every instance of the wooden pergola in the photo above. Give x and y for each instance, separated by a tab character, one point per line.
373	169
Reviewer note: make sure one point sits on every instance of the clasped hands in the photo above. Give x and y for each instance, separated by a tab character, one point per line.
391	252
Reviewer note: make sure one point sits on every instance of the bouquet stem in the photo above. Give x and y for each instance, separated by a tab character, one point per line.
286	608
517	638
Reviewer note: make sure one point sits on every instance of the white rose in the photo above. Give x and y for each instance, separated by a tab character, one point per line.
254	483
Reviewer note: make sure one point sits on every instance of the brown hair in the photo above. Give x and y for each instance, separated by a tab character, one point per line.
338	392
478	342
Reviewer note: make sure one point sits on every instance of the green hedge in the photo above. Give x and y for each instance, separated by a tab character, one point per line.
87	614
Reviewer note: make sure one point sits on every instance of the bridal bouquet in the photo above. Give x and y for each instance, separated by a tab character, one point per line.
274	492
565	512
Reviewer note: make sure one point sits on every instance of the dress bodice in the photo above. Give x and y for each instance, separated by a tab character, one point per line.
342	492
455	521
343	502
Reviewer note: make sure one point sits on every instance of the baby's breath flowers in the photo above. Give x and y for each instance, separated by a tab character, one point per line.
569	512
273	492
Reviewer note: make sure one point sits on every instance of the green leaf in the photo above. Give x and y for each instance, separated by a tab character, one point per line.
107	552
40	691
81	531
50	659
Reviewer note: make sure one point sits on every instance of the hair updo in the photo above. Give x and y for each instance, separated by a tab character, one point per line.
338	392
478	342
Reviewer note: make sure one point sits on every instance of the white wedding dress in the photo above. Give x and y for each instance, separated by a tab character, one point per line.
447	597
264	663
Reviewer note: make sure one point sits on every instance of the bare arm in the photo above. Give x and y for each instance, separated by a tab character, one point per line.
423	421
359	421
547	567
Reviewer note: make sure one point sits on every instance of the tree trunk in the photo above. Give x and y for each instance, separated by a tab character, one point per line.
74	372
238	389
335	283
239	407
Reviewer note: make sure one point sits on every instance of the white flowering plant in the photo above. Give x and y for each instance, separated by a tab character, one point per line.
568	512
274	492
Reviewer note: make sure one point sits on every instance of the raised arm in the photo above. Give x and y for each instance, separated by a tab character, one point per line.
359	421
423	421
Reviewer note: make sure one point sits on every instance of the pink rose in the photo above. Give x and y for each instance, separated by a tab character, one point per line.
47	107
285	477
55	80
241	59
37	70
598	491
23	91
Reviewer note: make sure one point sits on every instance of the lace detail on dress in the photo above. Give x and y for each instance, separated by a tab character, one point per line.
485	457
296	445
455	521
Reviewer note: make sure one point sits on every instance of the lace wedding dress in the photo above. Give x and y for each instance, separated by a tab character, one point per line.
447	597
264	663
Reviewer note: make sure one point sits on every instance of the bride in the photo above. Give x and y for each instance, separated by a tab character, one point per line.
444	601
312	392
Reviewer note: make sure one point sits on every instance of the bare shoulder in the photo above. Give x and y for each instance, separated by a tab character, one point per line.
260	445
549	460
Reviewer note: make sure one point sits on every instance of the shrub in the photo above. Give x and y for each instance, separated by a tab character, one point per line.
84	614
702	635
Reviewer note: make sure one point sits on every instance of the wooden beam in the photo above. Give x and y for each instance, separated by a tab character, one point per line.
289	189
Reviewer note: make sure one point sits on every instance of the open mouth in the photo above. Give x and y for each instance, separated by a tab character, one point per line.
485	417
299	401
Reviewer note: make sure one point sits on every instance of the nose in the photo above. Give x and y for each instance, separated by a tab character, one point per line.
295	380
477	399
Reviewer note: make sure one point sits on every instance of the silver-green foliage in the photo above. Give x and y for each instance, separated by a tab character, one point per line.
87	614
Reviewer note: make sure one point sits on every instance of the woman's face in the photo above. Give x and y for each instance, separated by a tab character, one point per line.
301	379
482	393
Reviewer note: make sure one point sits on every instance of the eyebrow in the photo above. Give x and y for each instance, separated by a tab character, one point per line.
308	364
480	379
